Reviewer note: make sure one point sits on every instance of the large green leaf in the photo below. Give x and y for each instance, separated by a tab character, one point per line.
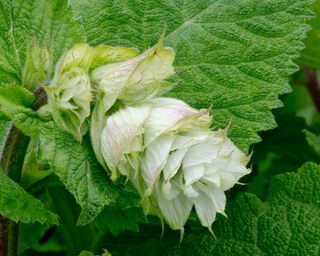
310	56
235	54
18	205
24	23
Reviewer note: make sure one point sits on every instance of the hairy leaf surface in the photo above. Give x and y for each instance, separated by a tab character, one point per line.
24	23
18	205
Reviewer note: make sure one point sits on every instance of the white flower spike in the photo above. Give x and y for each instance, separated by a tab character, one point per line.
175	161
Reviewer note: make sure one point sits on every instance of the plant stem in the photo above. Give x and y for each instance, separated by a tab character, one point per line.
11	163
3	235
313	86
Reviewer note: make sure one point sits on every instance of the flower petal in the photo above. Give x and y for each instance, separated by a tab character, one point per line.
193	173
209	202
123	134
155	158
175	211
173	163
165	115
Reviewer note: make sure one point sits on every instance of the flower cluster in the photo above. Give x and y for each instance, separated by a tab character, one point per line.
163	146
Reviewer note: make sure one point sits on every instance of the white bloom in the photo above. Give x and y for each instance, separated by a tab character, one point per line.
175	161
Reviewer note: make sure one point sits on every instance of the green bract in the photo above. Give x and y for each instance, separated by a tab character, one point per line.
36	67
70	91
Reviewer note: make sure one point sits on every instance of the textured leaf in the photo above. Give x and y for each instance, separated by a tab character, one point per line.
116	219
18	205
314	141
287	224
310	56
74	163
28	22
4	130
235	54
279	150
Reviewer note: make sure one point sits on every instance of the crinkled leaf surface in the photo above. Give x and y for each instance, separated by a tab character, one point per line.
75	164
310	56
234	54
16	204
278	151
50	24
287	224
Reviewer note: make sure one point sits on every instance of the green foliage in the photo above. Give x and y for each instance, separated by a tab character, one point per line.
118	219
313	140
288	223
278	152
310	56
25	23
235	55
18	205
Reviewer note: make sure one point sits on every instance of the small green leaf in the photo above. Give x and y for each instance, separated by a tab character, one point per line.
18	205
313	140
279	150
13	94
117	219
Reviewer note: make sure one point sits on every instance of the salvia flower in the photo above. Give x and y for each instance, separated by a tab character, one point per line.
168	152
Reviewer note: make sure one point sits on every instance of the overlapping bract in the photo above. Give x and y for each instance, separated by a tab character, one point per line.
174	160
70	92
163	146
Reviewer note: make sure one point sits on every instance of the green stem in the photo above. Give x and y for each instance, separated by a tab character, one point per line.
11	162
